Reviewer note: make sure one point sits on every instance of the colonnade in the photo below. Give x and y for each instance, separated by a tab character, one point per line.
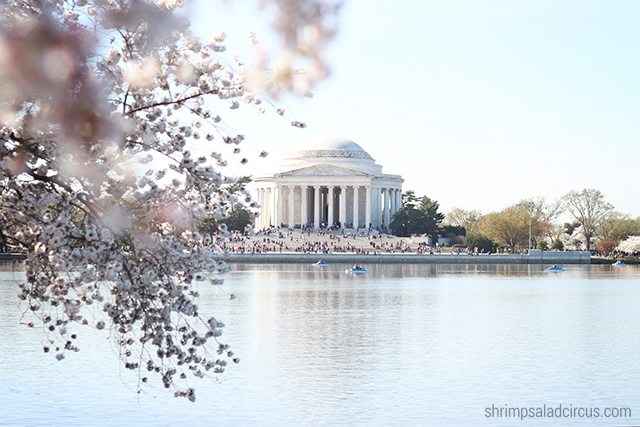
349	206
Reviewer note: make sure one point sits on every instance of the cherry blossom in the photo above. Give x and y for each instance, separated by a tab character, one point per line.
631	245
103	104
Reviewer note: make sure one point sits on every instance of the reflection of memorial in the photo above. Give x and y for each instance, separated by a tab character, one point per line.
319	321
335	271
336	182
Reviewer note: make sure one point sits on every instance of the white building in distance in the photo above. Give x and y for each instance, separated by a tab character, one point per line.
333	183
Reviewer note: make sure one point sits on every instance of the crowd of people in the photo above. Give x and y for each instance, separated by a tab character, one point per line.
283	240
326	241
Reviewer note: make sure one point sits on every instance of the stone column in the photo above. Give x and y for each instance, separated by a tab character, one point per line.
398	199
343	206
389	207
277	205
316	207
394	201
356	208
330	200
304	209
386	206
291	213
267	207
382	210
379	206
367	207
260	218
269	210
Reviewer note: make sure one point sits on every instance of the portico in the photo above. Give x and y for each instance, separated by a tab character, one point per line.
334	184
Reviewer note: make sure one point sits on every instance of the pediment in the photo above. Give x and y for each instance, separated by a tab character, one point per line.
323	170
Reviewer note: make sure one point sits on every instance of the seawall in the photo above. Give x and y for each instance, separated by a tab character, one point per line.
536	257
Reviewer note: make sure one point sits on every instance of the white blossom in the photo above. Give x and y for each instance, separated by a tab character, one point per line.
630	245
94	92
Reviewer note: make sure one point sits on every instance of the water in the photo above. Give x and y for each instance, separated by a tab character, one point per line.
399	345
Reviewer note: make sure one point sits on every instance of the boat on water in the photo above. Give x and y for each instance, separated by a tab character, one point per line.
320	263
555	268
618	263
356	269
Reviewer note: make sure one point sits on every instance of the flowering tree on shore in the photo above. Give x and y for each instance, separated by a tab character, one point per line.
589	209
631	245
101	105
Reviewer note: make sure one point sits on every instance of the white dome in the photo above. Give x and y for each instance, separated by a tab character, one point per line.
332	149
342	153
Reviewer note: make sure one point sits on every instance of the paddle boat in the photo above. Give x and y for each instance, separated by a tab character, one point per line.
320	263
357	269
555	268
618	263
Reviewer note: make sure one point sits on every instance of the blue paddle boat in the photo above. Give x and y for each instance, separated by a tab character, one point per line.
320	263
357	269
618	263
555	268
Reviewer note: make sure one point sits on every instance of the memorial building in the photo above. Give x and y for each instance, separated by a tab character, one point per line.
334	183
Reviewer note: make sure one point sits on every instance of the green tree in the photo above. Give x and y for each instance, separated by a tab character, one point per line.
617	226
473	240
509	227
569	227
431	218
418	215
409	199
207	225
557	245
239	217
404	221
453	230
239	185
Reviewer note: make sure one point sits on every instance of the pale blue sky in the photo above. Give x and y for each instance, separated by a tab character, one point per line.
478	104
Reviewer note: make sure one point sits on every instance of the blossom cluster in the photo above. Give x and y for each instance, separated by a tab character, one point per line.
102	107
631	245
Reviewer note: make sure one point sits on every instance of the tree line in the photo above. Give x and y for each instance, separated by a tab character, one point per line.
529	223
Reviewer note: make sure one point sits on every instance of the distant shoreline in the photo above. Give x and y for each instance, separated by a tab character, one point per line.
536	257
549	257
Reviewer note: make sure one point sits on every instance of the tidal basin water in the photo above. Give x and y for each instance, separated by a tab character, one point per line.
399	345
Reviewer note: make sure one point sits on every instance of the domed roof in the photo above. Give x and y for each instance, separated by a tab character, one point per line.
333	149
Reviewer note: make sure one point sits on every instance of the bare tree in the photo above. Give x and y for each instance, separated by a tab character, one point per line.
589	208
543	214
468	219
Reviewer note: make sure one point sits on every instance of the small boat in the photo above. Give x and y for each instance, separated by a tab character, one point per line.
357	269
555	268
618	263
320	263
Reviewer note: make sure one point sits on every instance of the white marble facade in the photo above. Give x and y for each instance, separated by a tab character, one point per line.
333	183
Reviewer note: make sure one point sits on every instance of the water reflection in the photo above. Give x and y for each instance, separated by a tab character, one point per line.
401	345
335	271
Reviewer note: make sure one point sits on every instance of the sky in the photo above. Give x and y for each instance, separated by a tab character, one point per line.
477	104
